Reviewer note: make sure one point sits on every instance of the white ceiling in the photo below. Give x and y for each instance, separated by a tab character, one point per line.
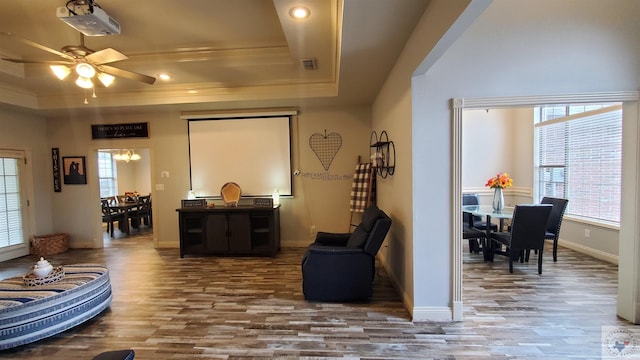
219	53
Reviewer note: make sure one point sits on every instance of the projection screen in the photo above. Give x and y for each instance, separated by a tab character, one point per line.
254	152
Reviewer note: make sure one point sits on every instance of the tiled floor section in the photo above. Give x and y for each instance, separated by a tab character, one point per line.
165	307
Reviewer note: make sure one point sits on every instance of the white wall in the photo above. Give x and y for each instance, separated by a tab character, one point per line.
321	197
135	175
392	112
493	141
513	48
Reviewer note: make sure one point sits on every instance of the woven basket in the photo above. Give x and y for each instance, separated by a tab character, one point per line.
52	244
30	279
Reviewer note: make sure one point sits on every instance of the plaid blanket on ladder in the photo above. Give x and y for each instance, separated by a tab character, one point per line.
363	189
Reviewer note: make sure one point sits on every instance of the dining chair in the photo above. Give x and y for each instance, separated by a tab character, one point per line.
473	235
478	222
555	221
144	209
474	225
528	228
110	215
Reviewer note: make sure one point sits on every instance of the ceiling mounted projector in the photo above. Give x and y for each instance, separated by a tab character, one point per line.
95	22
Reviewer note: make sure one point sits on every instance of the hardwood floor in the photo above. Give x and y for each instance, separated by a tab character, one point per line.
165	307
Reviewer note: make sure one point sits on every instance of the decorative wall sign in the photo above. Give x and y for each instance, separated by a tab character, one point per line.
55	167
75	171
120	131
325	147
193	203
263	202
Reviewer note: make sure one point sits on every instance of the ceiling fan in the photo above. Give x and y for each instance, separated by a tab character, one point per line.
86	62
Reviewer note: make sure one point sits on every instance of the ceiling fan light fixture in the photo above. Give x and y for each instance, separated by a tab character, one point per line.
84	82
60	71
105	79
85	70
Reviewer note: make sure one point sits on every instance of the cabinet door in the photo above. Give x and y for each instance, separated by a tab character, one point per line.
192	234
217	233
262	240
239	233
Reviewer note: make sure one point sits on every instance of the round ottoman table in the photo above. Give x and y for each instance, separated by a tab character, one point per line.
30	313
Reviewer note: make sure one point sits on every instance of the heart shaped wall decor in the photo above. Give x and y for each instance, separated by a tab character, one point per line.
325	147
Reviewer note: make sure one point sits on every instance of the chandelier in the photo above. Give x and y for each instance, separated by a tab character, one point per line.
126	156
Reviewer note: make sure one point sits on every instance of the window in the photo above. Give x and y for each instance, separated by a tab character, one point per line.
11	199
579	157
107	174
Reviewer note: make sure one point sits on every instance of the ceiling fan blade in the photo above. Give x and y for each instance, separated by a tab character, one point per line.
105	56
36	45
126	74
47	62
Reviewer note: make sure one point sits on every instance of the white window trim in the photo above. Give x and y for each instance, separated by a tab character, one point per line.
26	183
600	223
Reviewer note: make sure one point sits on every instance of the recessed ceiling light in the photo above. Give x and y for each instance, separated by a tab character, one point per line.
299	12
164	77
192	91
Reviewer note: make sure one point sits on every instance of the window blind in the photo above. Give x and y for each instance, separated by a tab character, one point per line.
11	216
580	158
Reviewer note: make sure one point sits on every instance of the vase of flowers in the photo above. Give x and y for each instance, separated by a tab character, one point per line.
498	183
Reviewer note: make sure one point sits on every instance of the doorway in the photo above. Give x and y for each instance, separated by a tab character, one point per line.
627	233
125	180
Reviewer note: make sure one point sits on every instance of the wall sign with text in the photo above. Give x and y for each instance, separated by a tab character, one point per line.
120	131
55	163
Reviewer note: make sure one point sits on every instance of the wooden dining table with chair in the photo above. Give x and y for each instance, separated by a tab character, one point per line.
127	211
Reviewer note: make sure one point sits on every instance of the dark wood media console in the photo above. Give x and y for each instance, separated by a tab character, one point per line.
241	230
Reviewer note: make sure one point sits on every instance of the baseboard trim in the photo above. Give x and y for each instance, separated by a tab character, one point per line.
406	300
168	245
428	314
295	244
601	255
458	310
420	314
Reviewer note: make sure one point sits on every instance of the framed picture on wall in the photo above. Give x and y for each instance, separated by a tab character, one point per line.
75	171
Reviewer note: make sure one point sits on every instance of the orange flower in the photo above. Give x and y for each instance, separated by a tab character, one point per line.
500	181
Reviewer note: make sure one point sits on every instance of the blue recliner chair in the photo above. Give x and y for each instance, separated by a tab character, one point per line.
341	267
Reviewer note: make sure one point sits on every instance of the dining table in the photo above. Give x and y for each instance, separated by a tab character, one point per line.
489	213
126	207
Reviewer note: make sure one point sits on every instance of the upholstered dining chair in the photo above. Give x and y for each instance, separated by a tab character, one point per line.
473	235
555	221
528	228
474	228
478	222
